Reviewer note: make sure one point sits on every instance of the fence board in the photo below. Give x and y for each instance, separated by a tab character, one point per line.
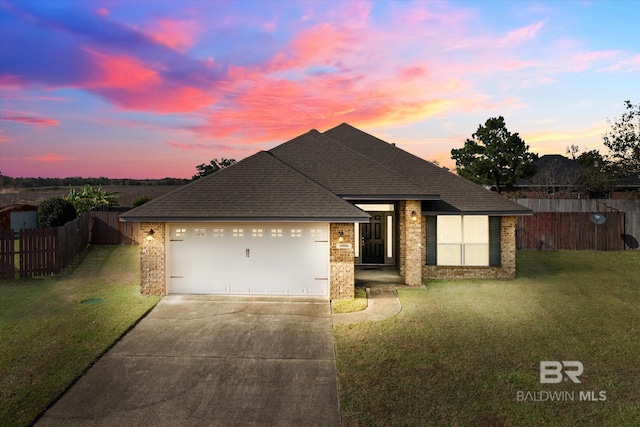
72	238
632	230
569	231
106	229
38	252
7	254
631	208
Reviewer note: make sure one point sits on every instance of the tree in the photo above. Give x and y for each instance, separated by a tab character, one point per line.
596	180
623	141
494	156
55	212
213	166
91	198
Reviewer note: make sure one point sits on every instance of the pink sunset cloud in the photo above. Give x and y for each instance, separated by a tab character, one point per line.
3	138
627	65
521	35
28	120
190	80
131	85
119	72
189	147
179	35
48	158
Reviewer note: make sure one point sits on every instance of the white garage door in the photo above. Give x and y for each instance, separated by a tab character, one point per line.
256	258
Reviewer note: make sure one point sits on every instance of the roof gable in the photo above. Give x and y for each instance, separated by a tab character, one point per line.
258	188
345	171
456	193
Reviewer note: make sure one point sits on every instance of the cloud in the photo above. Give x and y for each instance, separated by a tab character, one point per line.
126	66
627	65
118	72
520	35
590	59
179	35
102	11
553	142
28	120
49	158
3	138
189	147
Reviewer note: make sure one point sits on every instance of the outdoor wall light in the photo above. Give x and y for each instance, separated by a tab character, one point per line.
150	234
414	216
340	234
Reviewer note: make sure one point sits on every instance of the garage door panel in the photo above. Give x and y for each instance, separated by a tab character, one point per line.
260	259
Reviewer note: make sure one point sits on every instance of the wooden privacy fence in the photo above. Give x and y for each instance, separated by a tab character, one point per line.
630	232
570	231
42	251
106	229
47	251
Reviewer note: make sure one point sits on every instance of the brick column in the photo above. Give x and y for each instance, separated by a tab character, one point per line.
508	246
341	261
410	256
153	279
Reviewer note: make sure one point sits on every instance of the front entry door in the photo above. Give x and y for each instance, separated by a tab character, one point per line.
373	239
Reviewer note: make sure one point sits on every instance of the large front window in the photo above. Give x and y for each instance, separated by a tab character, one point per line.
462	240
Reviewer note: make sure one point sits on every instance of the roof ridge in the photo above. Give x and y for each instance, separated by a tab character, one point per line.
334	195
436	170
393	171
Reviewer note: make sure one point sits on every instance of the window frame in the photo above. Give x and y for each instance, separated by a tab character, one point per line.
454	240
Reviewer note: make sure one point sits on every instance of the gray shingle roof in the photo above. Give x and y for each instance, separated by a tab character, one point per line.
457	195
345	171
259	188
308	178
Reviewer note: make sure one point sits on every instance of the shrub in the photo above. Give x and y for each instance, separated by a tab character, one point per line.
141	201
54	212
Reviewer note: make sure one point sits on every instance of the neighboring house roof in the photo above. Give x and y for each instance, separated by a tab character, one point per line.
457	195
553	170
310	177
259	188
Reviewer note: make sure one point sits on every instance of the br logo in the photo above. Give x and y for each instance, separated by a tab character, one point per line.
553	371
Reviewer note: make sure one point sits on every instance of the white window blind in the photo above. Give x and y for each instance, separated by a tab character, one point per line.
463	240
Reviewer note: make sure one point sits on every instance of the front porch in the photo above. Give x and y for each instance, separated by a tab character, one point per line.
378	276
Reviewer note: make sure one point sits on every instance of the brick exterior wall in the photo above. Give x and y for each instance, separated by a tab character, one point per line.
411	255
153	280
341	262
410	242
508	259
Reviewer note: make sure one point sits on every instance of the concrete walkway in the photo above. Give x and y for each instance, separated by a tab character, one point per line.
382	296
213	361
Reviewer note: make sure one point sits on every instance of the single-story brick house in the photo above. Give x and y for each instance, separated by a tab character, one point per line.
298	219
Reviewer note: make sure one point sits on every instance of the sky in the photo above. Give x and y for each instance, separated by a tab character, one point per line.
150	89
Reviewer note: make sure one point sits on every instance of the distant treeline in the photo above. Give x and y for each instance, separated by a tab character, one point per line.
8	182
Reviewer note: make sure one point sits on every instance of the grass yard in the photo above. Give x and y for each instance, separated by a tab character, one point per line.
357	303
49	338
460	351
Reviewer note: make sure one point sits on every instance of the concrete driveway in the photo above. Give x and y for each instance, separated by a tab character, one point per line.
201	360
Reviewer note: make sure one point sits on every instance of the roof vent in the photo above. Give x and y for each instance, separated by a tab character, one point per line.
393	144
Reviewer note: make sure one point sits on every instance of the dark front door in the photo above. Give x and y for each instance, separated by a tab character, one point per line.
373	240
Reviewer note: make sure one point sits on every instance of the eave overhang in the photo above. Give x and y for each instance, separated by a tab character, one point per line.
256	219
390	197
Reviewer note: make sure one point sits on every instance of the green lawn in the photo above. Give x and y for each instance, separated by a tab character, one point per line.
48	337
460	351
357	303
